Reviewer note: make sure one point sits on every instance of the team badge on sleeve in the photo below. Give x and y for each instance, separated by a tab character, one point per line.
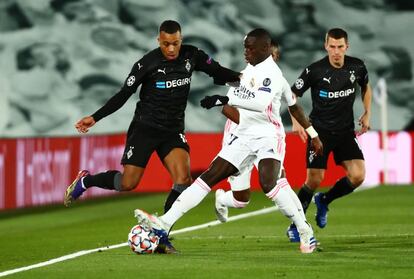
299	83
130	81
352	77
266	82
187	65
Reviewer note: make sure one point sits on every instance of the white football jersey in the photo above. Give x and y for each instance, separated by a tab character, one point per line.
258	98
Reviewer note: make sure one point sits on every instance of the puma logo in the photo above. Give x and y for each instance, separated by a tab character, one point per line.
161	71
328	80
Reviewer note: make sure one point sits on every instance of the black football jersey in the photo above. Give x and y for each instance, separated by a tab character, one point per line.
333	92
165	85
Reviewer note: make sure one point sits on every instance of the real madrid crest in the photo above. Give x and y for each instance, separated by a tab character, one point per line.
187	65
352	77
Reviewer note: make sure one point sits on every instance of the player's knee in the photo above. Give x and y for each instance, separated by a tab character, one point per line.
357	178
128	186
183	179
313	181
313	184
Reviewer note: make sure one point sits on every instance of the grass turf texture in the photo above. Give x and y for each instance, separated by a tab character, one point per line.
370	234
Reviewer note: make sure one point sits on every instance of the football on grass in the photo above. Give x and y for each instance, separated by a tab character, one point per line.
142	240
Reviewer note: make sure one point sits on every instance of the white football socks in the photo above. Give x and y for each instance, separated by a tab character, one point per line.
296	200
188	199
282	198
227	199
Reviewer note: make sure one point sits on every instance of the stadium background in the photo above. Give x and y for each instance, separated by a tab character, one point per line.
60	60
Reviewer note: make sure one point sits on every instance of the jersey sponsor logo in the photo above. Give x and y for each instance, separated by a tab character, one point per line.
172	83
328	80
299	83
243	93
130	80
266	89
336	94
267	81
161	71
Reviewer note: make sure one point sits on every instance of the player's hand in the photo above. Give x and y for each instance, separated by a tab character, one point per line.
317	146
363	121
84	124
214	101
299	130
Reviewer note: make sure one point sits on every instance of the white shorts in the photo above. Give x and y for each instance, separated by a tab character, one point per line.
244	153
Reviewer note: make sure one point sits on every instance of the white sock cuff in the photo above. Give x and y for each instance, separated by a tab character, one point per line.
281	183
239	204
200	183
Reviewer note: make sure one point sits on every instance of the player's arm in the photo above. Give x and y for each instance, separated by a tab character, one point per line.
258	103
297	112
302	83
364	120
231	113
208	65
116	101
297	128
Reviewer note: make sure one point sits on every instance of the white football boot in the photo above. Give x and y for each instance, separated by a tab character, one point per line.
222	212
307	240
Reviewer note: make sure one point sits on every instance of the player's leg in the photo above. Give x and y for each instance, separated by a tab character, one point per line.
229	160
177	162
134	161
219	169
274	188
355	175
348	154
237	197
315	172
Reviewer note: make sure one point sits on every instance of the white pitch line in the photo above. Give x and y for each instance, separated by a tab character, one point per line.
184	230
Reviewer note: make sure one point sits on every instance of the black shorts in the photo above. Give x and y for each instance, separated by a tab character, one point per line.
143	140
344	147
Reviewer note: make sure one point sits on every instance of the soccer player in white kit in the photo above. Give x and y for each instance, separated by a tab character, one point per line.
239	196
258	99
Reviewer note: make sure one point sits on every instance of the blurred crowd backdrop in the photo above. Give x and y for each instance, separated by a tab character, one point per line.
62	59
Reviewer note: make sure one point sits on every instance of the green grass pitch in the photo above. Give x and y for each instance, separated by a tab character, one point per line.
370	234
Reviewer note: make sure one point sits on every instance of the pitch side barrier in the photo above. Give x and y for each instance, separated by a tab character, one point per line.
36	171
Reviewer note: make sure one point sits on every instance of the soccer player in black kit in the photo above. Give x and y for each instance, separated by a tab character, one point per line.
333	81
158	123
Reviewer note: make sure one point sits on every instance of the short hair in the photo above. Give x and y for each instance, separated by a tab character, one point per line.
170	26
337	33
260	33
274	43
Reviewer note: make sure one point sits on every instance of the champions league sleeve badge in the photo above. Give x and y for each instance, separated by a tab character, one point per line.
266	82
130	80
